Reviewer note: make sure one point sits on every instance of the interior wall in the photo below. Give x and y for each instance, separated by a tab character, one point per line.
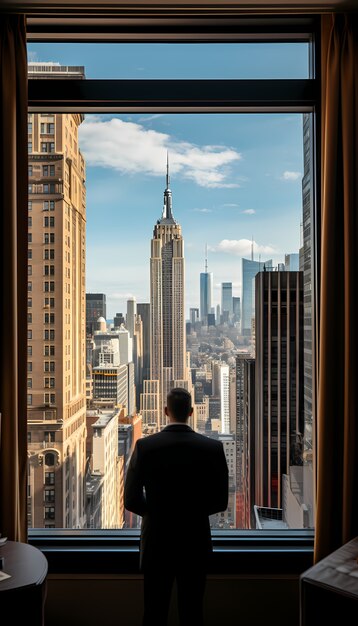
114	601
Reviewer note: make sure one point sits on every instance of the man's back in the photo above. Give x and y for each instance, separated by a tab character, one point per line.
185	478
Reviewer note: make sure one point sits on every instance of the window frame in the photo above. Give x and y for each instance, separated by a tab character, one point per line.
266	552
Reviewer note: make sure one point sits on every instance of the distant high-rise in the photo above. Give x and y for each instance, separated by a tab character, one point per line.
308	193
95	308
167	308
194	315
236	309
143	309
240	436
56	315
206	291
249	270
131	315
226	298
292	262
248	456
279	381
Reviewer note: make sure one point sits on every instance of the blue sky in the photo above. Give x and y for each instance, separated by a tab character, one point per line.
233	177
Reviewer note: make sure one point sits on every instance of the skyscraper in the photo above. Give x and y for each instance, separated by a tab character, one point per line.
292	263
249	270
167	319
95	308
206	291
56	315
308	193
131	315
226	298
279	378
143	309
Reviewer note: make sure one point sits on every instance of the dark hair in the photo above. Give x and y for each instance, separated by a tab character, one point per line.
179	403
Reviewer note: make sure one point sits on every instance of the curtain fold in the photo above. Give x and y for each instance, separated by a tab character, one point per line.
13	276
337	419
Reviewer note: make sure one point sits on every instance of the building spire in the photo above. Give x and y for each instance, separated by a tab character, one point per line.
168	201
168	177
252	248
206	258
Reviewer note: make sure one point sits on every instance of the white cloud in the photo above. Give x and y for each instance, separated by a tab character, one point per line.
249	211
121	296
242	247
130	148
230	204
291	175
203	210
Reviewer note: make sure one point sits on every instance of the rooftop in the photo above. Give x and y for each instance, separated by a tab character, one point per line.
268	518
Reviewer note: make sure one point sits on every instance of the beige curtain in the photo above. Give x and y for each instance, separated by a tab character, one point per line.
13	276
337	420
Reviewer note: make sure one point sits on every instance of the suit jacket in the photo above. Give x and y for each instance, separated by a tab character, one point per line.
176	478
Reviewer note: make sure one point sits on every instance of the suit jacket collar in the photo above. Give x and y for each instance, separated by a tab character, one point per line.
178	427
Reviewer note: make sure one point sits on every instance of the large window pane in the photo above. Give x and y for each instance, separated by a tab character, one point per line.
236	315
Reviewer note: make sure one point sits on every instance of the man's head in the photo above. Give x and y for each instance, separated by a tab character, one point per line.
179	406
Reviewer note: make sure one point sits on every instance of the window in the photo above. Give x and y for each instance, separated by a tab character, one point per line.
49	238
50	437
29	334
29	171
29	220
247	169
48	170
49	188
49	254
29	383
29	363
29	254
29	128
29	399
49	512
29	270
49	495
29	205
29	147
49	478
29	353
29	286
47	146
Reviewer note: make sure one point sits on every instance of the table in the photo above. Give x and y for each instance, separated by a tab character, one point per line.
329	589
24	594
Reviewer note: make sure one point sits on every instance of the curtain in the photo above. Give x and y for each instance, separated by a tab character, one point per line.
13	276
337	419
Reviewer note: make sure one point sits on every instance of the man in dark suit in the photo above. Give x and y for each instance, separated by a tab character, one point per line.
175	480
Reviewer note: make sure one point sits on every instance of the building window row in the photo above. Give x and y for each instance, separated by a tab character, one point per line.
49	285
49	238
49	398
49	382
49	351
49	205
49	222
49	366
49	318
49	270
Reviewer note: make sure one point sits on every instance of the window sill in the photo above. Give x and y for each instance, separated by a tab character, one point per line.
235	552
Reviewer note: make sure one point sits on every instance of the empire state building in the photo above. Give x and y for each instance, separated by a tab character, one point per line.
168	367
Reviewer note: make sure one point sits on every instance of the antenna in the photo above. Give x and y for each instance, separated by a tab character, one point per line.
206	258
252	248
168	177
